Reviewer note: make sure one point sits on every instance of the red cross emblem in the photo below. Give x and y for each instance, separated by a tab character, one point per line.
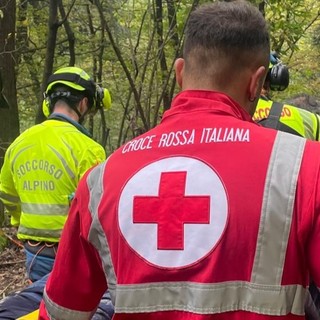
171	209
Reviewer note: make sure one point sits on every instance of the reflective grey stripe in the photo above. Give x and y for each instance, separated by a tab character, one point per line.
277	209
8	197
264	294
210	298
45	209
308	125
59	312
96	233
17	155
71	152
64	162
40	233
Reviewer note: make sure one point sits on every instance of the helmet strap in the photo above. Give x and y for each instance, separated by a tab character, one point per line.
75	109
81	116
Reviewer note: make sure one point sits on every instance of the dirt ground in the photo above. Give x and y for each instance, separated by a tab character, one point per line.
12	265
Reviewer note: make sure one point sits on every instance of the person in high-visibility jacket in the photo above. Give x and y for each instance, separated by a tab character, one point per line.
282	116
294	119
207	216
43	166
288	118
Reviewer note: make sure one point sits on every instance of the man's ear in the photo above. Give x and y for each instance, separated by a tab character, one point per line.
179	68
84	105
256	83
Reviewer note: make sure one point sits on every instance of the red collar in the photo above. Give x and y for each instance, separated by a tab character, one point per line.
215	102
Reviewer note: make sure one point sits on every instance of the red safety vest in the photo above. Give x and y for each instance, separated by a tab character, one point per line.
206	216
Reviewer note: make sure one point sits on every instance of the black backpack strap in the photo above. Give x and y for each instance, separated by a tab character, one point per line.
273	119
283	127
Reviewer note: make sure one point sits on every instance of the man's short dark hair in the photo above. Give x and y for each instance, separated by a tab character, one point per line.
72	100
235	31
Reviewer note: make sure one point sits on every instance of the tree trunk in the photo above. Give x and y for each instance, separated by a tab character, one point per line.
161	54
69	32
53	26
9	117
25	54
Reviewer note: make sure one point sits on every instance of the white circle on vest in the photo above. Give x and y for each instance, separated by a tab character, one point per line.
199	238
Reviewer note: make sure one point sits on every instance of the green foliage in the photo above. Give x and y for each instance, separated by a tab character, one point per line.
288	22
135	59
294	26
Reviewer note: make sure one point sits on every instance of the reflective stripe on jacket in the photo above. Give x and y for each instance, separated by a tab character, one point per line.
42	168
264	293
194	220
290	119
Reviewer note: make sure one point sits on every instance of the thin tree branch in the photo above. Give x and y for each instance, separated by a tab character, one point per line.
124	66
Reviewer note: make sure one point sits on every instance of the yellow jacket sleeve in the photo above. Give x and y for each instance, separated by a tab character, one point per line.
92	157
8	192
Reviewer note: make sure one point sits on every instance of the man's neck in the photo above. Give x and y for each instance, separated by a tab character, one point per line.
64	109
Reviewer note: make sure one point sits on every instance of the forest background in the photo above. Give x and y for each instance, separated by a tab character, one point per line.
129	47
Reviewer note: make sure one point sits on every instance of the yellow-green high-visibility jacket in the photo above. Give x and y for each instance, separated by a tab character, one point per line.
41	170
287	118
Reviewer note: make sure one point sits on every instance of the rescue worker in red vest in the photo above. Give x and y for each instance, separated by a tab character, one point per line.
282	116
43	166
194	219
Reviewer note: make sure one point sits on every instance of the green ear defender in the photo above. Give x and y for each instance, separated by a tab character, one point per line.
102	101
46	107
103	98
